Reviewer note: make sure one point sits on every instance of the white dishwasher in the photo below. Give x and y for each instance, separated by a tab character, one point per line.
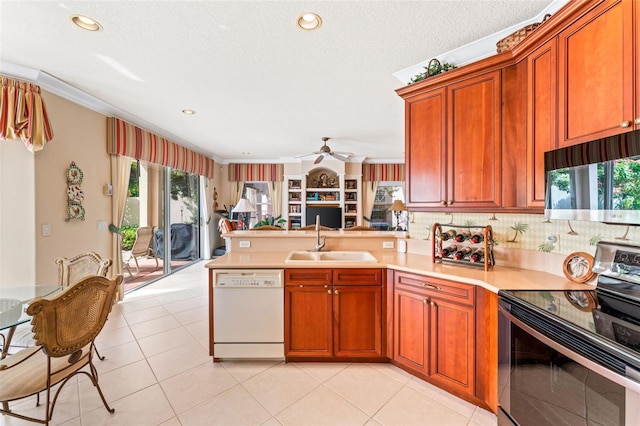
248	313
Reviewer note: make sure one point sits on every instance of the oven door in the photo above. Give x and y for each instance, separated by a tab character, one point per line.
543	382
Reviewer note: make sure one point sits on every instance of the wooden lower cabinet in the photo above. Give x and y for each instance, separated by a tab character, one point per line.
333	313
437	337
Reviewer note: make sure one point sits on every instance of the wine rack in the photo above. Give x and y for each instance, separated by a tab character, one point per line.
463	245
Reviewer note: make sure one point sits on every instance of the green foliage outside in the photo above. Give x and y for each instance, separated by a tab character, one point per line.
134	180
271	221
128	236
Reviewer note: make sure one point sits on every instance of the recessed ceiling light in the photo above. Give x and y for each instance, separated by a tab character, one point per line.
245	153
86	23
188	111
309	21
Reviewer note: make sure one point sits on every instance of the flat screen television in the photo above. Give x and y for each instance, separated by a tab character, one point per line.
329	216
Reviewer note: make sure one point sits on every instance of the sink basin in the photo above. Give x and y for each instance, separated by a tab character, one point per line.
330	256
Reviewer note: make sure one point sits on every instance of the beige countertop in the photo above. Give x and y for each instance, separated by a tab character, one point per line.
499	278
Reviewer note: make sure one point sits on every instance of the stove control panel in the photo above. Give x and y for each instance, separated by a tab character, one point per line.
618	260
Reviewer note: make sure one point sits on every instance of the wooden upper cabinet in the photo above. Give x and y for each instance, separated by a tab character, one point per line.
542	90
425	148
596	87
474	142
452	149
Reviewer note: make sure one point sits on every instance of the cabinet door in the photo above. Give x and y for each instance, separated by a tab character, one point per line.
410	329
307	325
357	312
542	136
452	343
424	149
596	74
473	178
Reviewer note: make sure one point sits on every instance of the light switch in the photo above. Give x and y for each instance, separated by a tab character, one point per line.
102	225
46	230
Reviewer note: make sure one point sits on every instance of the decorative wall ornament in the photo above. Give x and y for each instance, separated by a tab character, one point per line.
75	195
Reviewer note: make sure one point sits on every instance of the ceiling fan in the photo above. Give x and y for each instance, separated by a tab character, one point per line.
325	150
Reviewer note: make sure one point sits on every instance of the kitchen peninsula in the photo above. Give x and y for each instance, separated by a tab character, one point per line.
436	321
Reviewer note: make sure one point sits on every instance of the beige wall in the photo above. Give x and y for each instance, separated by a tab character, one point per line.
80	136
17	211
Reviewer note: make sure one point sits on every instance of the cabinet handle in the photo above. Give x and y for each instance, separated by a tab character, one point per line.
637	120
424	301
335	292
449	202
443	203
431	286
433	304
329	291
301	286
625	124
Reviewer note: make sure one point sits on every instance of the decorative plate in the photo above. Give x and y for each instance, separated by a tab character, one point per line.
75	194
581	299
578	267
75	211
74	174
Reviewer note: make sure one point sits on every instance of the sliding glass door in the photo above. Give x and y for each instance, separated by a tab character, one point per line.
160	199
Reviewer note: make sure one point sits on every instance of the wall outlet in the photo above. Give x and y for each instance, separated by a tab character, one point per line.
46	230
245	244
387	244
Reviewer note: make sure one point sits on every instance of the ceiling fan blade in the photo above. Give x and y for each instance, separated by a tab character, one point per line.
339	157
319	159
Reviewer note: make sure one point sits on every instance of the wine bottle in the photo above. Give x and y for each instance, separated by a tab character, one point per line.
462	253
477	256
451	233
460	237
476	238
448	251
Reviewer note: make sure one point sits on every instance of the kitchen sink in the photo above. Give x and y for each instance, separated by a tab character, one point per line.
330	256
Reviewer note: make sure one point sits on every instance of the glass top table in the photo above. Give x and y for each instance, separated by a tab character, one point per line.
12	306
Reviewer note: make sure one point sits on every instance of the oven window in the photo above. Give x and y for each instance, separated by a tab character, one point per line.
547	388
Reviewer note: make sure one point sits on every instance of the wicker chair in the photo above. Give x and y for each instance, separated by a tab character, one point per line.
80	266
267	228
74	269
360	228
312	227
65	329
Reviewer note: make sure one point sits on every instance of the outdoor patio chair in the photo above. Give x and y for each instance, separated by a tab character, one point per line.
65	328
142	247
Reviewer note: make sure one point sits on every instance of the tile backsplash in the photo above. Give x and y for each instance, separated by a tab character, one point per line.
530	231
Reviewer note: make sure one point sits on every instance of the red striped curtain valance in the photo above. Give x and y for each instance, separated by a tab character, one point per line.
382	172
23	114
131	141
256	172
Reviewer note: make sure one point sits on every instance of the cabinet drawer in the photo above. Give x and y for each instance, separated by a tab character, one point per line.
357	276
434	287
308	276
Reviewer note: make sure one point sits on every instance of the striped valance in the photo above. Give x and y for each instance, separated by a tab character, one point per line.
597	151
131	141
382	172
23	114
256	172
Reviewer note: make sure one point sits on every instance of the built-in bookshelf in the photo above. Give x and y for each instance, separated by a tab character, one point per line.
323	187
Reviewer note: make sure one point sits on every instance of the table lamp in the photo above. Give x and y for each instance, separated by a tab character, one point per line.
243	207
398	207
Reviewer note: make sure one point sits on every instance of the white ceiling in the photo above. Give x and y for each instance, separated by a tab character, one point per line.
258	83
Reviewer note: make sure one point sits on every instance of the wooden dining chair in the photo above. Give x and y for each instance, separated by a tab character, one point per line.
65	328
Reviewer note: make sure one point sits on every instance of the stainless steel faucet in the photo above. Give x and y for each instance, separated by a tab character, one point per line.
319	244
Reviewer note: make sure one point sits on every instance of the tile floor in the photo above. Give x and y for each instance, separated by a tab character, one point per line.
158	372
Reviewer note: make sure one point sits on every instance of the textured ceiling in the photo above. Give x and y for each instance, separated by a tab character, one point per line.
258	84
